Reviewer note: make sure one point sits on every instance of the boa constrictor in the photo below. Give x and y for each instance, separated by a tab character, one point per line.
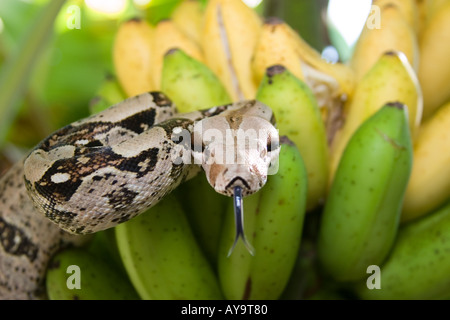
104	170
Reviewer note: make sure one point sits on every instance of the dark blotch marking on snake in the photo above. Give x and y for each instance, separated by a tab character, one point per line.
15	242
63	191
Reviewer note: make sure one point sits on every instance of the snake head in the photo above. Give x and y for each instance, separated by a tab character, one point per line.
238	149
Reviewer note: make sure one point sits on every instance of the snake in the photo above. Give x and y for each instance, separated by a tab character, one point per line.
103	170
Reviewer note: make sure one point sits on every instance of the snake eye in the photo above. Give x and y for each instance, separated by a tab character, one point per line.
272	144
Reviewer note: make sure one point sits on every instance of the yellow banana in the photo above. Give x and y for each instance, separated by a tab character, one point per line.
132	54
434	68
168	36
274	47
332	83
429	186
274	217
408	8
297	114
229	37
390	79
338	77
389	31
188	17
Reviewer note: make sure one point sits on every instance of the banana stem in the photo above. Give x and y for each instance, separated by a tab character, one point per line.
19	65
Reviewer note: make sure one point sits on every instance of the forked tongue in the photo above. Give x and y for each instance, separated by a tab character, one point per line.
239	221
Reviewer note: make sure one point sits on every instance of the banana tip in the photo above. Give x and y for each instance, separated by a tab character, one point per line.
396	104
273	21
275	69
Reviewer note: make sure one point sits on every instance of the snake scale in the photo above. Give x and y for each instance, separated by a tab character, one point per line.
104	170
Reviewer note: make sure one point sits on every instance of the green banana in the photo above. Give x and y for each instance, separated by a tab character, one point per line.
205	211
190	84
418	266
162	258
104	246
109	93
362	211
97	279
274	218
298	117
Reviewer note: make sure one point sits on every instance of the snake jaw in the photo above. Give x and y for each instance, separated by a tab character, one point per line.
239	221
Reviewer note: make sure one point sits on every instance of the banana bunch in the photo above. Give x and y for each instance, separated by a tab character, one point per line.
366	154
237	46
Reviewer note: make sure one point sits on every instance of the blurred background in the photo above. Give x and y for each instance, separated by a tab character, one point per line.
55	54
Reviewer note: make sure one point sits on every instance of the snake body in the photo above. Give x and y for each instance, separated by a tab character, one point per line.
104	170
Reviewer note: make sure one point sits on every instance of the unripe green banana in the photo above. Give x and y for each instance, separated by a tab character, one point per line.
362	211
190	84
104	246
298	117
274	218
162	258
97	279
107	95
418	266
205	211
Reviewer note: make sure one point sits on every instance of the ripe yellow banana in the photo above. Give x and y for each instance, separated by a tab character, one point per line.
434	69
390	32
229	37
360	219
76	274
298	116
188	17
429	186
418	266
132	54
167	36
408	8
190	84
390	79
274	218
275	46
162	257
